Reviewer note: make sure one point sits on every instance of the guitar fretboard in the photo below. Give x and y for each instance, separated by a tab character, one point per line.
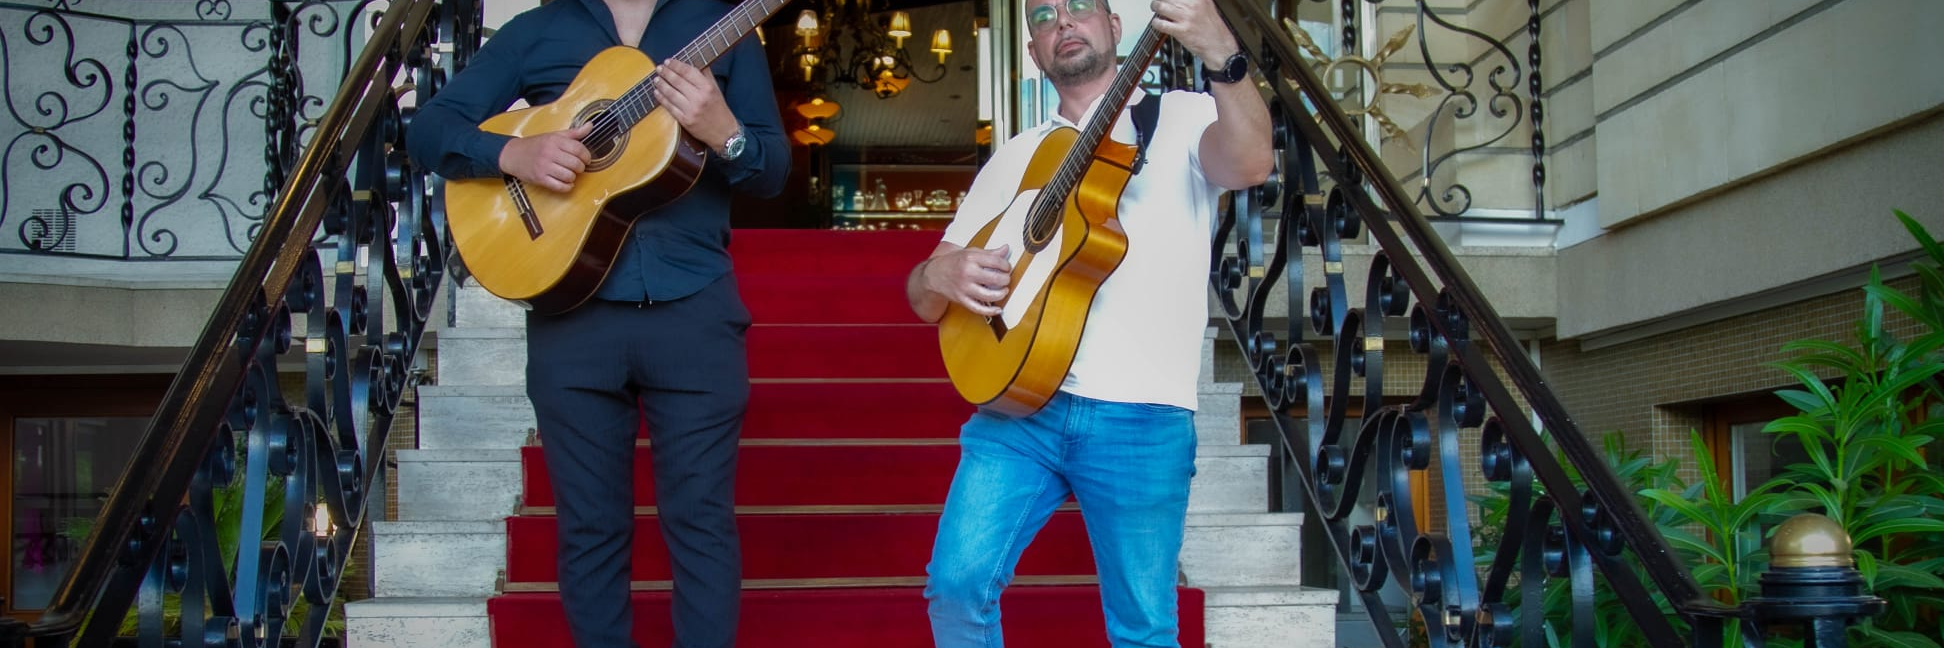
1074	166
635	104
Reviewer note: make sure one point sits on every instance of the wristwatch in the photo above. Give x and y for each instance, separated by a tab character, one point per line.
1235	69
733	148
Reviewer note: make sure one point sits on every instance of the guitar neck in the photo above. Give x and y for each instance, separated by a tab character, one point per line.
1102	122
638	101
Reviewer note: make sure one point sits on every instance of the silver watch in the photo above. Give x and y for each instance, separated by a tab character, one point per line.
733	148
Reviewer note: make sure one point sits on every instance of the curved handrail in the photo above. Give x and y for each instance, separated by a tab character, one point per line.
1450	318
147	540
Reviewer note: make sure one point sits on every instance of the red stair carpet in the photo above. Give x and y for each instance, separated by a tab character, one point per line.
848	449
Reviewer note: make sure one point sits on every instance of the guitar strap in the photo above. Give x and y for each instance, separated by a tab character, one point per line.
1147	115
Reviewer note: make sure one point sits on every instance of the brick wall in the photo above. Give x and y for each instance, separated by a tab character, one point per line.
1655	390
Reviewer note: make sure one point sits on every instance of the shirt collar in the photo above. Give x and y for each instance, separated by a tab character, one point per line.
1058	119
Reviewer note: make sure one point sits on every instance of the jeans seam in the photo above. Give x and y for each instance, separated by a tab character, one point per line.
990	596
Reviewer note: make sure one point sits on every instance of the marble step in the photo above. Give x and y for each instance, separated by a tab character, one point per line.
1218	414
1230	479
416	622
482	356
453	484
464	558
439	558
1270	617
1242	550
476	308
474	416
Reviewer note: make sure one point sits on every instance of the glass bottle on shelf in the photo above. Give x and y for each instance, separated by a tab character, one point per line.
878	197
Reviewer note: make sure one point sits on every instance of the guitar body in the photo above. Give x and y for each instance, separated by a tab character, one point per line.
553	250
1014	362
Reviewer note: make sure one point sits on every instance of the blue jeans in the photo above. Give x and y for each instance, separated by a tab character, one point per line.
1128	464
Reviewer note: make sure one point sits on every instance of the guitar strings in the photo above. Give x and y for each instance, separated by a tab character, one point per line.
1066	177
609	124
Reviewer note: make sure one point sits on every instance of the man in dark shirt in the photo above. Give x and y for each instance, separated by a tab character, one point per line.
663	337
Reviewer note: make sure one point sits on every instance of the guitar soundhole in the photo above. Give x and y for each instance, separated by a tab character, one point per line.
607	141
1041	226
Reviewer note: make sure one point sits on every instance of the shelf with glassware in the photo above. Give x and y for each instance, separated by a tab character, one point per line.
875	196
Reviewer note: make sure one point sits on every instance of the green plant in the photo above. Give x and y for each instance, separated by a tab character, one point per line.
1867	433
228	509
1612	626
1870	433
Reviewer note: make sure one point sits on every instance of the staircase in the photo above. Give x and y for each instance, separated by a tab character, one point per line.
848	449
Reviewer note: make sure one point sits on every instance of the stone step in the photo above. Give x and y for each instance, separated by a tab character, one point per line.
482	356
464	558
415	622
1270	617
473	416
442	558
1218	414
1242	550
451	484
1230	479
476	308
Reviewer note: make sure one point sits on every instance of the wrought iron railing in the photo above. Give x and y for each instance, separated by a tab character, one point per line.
352	308
1459	109
150	136
1569	517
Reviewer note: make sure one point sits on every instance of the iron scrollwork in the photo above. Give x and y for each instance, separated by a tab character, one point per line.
1284	247
302	462
1457	84
185	107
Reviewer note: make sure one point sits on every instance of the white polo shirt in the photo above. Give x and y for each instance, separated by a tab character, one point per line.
1142	342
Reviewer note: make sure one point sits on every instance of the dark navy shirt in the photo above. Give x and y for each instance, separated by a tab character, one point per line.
673	251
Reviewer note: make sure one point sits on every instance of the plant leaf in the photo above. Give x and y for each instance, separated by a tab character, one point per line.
1896	639
1906	525
1894	575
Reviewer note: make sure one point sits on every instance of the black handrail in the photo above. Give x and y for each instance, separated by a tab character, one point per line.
1599	523
146	538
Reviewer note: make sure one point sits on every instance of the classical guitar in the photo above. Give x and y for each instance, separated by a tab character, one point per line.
1065	236
551	250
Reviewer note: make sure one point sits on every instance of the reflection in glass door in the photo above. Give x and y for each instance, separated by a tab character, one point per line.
63	469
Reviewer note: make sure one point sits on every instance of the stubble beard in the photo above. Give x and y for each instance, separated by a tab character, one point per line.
1082	67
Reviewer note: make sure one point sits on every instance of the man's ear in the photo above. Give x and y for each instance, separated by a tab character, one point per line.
1114	19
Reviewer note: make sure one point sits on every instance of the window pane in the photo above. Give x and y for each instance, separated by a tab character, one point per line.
1762	456
63	468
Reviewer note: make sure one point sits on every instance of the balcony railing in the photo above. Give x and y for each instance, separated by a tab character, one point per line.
163	132
340	273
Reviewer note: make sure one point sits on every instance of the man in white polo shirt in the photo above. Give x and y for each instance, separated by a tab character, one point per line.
1119	436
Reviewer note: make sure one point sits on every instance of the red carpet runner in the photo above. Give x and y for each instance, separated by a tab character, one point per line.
848	450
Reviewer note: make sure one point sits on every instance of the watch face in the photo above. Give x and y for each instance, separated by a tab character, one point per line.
734	148
1237	68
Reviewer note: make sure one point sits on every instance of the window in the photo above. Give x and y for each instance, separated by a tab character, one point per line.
62	471
68	439
1755	457
1746	456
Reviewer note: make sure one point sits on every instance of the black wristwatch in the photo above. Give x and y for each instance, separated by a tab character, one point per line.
1235	69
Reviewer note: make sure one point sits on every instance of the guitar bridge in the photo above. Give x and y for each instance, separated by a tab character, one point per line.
528	217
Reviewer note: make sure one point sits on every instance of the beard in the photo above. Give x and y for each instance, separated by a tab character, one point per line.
1081	66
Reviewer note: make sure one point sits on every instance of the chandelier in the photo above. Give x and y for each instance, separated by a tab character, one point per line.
846	44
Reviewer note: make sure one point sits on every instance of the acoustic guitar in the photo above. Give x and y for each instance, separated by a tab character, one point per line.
1064	230
549	251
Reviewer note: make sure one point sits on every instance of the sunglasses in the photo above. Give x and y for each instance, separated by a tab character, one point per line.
1043	16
